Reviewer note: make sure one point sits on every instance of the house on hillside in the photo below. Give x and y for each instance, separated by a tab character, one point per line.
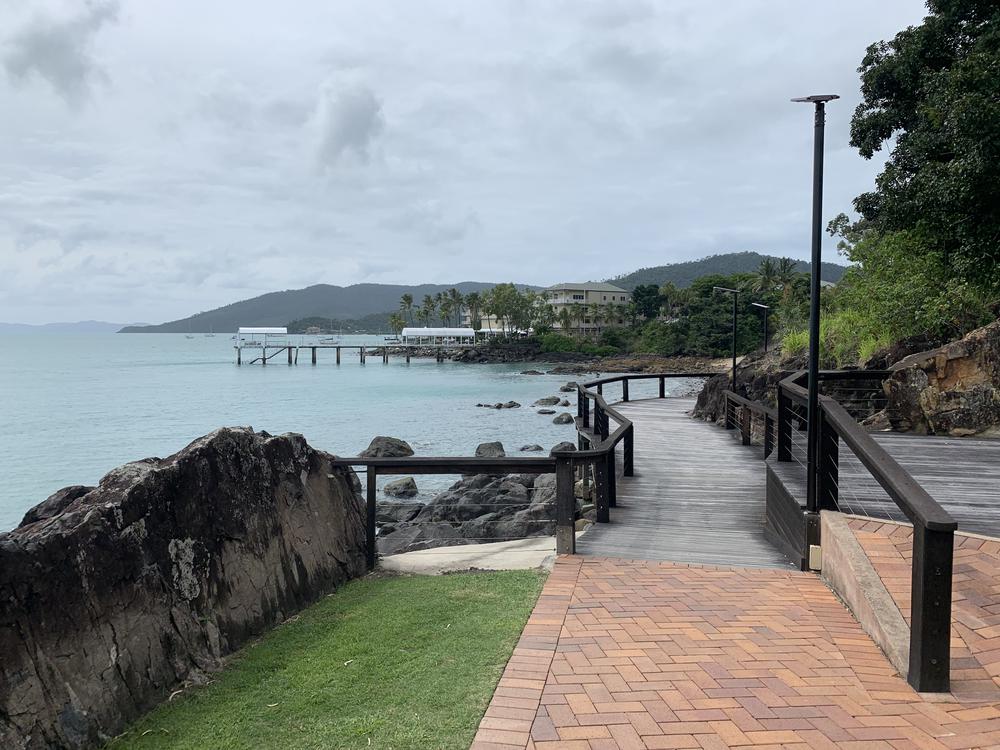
587	307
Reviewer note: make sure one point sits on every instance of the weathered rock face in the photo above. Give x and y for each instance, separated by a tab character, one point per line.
111	596
402	487
479	508
951	390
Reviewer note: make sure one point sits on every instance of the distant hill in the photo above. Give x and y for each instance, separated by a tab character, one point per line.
682	274
342	303
83	326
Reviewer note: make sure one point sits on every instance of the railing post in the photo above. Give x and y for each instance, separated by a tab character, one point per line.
605	424
784	426
565	508
729	422
829	465
612	480
768	435
601	490
370	475
930	610
586	412
745	417
579	403
628	456
624	390
598	418
663	387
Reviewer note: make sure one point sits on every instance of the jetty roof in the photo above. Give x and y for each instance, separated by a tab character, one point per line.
438	332
258	329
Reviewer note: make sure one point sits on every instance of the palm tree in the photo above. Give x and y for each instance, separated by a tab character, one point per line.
428	307
406	305
565	319
396	323
576	311
474	302
457	301
596	314
767	276
784	275
446	307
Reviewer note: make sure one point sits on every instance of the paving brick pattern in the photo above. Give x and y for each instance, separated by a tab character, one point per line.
975	631
632	654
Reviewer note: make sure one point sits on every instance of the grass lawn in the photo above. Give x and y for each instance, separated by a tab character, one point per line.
397	662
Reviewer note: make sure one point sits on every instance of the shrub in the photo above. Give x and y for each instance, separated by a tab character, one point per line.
556	342
795	342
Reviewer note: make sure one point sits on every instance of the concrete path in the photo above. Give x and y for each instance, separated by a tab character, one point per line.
627	654
520	554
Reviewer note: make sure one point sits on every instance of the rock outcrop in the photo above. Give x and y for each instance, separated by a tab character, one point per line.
387	447
110	597
950	390
402	487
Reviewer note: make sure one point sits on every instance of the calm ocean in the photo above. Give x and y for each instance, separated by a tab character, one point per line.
76	406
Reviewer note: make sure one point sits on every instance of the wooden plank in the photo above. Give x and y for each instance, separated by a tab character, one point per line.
696	496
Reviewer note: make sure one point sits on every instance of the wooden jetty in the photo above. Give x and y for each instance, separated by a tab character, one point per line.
252	355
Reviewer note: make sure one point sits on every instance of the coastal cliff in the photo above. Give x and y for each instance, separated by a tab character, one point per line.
112	597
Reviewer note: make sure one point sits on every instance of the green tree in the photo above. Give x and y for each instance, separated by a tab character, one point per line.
406	305
473	303
767	276
396	323
933	93
428	307
647	300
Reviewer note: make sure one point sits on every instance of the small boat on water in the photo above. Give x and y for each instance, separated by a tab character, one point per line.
330	340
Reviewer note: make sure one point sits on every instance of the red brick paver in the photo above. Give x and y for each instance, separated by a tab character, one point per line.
975	631
626	654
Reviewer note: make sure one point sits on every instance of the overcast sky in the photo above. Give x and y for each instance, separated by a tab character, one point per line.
161	158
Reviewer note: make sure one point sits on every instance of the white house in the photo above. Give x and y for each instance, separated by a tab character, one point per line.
581	298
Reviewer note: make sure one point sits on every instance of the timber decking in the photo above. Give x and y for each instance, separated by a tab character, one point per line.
696	497
962	474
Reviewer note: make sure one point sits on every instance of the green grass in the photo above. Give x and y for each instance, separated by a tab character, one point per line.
400	662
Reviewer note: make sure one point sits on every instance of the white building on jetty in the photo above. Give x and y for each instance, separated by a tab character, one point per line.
438	336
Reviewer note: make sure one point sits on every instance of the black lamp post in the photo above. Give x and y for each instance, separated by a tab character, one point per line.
819	101
736	300
765	308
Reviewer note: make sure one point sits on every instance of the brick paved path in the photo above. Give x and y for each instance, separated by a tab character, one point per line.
975	609
625	654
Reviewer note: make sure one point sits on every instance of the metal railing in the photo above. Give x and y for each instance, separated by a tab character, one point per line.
933	527
752	419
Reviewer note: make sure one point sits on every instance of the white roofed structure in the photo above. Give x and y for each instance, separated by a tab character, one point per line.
438	336
251	330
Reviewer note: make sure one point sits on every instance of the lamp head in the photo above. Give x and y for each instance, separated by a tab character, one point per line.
761	304
817	98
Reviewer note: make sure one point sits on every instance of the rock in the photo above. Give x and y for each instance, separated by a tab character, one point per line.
569	387
110	598
411	537
387	447
950	390
562	447
55	503
546	411
564	418
395	512
512	405
547	401
531	448
490	450
564	402
402	487
532	372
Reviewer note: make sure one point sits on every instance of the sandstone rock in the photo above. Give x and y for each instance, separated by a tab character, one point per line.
387	447
564	418
546	411
531	448
402	487
490	450
153	577
547	401
951	390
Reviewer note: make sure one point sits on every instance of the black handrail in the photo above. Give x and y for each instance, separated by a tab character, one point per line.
933	527
748	409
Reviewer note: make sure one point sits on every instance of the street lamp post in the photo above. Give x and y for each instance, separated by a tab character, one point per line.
812	451
765	308
736	300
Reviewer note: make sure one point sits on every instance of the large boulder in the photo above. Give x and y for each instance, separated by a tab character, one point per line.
490	450
402	487
547	401
950	390
395	511
564	418
387	447
110	598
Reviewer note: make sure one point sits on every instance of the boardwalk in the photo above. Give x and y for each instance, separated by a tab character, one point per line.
695	497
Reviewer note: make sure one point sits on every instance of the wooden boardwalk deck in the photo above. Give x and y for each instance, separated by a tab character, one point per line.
696	497
962	474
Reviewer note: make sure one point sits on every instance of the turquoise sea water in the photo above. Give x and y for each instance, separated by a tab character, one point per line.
76	406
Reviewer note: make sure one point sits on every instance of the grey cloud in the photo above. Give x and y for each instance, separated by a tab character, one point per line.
348	120
59	50
430	221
